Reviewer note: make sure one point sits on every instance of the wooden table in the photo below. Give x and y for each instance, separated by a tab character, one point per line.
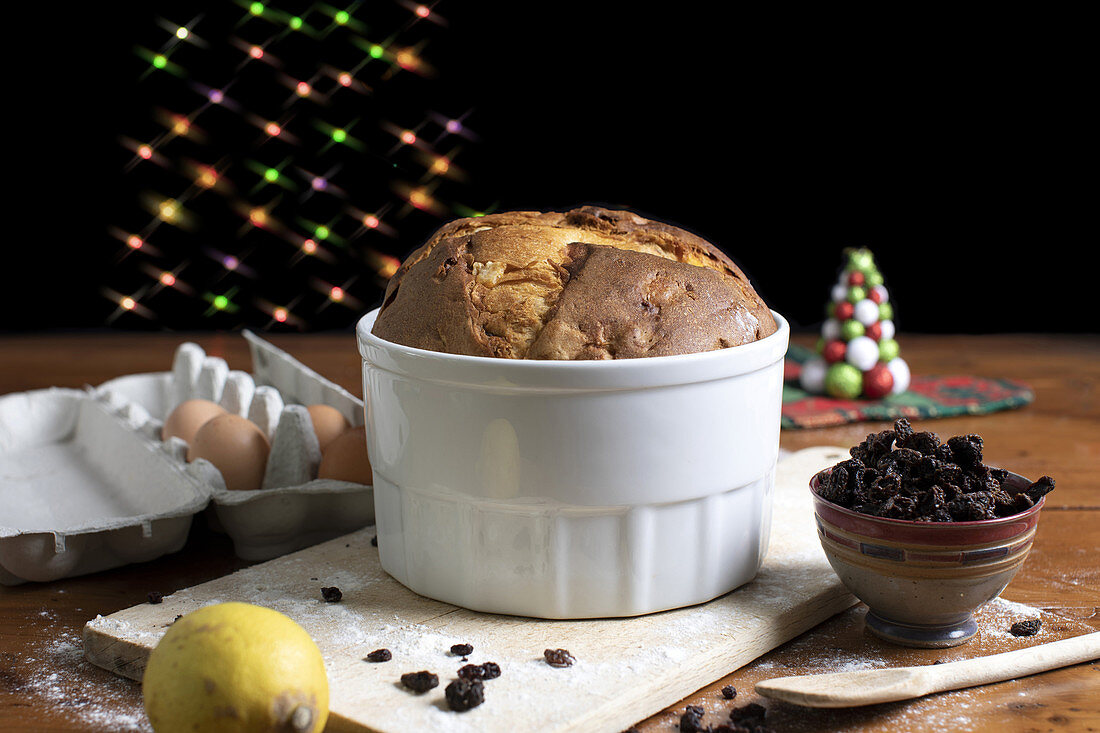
45	684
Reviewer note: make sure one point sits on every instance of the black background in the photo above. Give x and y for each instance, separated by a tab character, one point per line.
954	147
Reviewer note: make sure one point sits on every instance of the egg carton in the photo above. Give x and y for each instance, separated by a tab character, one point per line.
87	484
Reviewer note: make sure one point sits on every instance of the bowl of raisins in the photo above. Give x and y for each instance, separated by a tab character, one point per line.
924	532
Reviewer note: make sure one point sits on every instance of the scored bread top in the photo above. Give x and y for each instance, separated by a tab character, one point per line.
590	283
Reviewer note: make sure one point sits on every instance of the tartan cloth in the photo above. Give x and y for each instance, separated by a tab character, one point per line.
928	396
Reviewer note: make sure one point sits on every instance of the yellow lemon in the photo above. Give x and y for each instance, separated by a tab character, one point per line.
236	667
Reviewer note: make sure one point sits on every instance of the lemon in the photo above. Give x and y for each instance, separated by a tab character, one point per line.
236	667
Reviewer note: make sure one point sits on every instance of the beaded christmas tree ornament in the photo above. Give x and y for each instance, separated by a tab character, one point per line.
857	354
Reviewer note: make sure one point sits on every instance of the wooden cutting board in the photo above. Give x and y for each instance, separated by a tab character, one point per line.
625	670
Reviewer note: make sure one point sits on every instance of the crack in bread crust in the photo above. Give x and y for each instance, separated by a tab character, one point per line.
589	283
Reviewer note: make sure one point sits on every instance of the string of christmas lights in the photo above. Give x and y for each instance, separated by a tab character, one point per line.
287	150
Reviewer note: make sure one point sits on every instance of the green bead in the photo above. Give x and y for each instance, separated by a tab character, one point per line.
820	346
830	309
857	293
885	312
874	279
888	350
861	259
843	381
851	329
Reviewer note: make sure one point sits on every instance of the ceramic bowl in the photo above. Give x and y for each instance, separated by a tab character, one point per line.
572	489
922	581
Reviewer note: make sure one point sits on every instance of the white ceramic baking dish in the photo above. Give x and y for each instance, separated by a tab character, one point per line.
572	489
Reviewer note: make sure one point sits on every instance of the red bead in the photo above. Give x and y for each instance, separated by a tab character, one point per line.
844	310
834	351
856	278
876	295
874	331
877	382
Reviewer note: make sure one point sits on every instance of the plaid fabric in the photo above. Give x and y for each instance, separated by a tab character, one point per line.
927	397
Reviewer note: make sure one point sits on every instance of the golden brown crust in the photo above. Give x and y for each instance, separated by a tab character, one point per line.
590	283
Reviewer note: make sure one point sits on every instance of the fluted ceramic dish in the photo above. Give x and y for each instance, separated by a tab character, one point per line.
922	581
570	489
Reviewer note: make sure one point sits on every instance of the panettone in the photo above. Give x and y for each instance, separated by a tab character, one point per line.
590	283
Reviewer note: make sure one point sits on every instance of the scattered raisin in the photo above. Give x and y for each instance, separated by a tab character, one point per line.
332	594
487	671
374	541
462	695
379	655
729	692
420	681
462	650
154	597
471	672
692	720
1028	627
558	658
754	711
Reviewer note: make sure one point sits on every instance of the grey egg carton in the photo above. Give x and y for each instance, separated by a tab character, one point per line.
87	484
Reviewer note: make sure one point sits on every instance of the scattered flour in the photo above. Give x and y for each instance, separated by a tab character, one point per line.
56	675
995	618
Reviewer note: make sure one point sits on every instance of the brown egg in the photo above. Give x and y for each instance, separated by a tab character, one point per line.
345	458
188	416
328	423
236	446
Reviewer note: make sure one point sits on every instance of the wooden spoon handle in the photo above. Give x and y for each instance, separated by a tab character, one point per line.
1018	663
867	687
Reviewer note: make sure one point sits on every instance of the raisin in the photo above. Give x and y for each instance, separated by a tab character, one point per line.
754	711
463	695
1028	627
966	450
420	681
1020	503
462	650
692	720
154	597
379	655
1040	488
558	658
374	541
487	671
729	692
871	450
332	594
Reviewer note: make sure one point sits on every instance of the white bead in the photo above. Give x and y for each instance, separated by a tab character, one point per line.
812	376
887	329
883	295
865	311
840	292
900	370
830	330
862	353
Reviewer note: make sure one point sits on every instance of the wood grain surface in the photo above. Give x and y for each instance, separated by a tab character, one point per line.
45	684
